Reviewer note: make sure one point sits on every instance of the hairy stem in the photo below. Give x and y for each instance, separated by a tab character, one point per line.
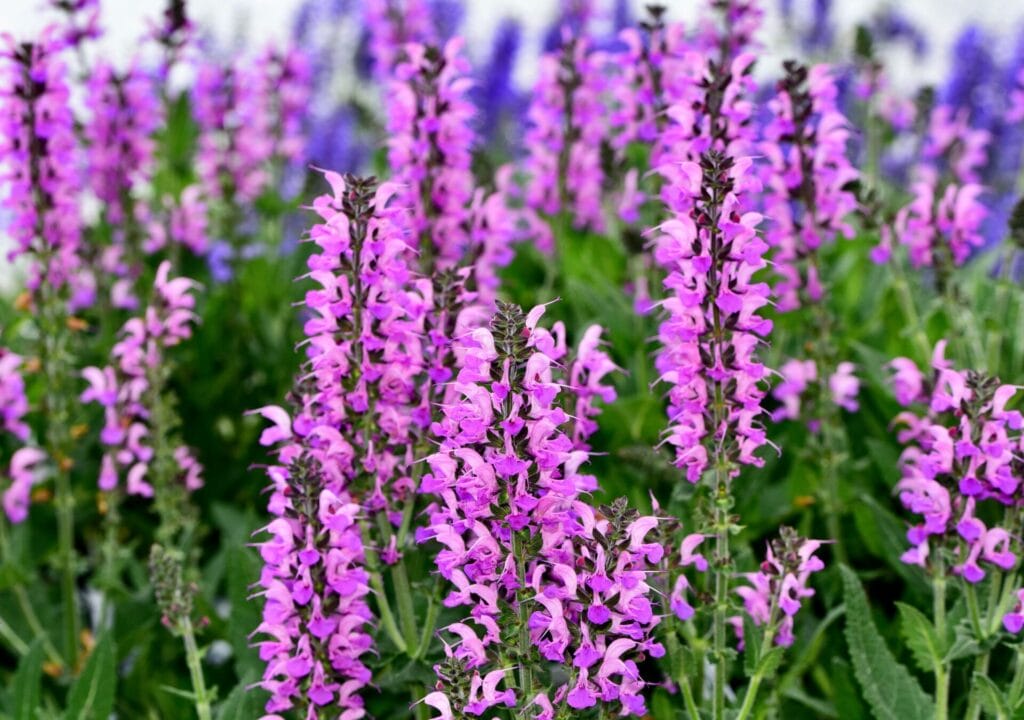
195	670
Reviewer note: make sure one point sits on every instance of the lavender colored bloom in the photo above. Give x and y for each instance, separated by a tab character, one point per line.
392	24
429	150
82	20
567	126
494	93
13	402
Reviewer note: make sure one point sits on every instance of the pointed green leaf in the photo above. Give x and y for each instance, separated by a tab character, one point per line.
751	646
27	679
92	695
985	693
243	570
889	688
921	638
239	704
770	661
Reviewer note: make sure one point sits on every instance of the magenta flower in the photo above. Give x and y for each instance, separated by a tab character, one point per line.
959	457
808	180
346	451
392	25
22	476
508	473
712	328
776	592
568	121
129	389
13	402
38	142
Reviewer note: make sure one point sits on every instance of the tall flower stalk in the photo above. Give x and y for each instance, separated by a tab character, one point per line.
37	131
809	198
708	355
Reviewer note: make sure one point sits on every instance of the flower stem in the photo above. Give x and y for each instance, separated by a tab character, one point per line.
12	638
195	670
525	671
939	612
387	618
722	523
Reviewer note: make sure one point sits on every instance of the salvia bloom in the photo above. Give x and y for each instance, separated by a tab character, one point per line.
130	391
455	225
800	377
13	402
21	471
711	330
567	125
235	134
775	593
391	25
124	114
430	145
37	139
808	179
82	18
346	454
544	577
961	456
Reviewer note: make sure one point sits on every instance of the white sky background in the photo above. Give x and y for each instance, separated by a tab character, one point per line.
262	20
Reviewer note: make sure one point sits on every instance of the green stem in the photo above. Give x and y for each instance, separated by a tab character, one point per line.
1017	685
65	506
387	618
195	670
429	624
980	668
721	591
525	671
914	323
12	638
939	612
28	610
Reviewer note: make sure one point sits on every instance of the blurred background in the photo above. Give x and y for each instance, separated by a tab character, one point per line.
940	21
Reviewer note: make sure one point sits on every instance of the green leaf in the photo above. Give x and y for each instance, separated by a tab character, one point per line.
770	661
27	679
985	693
889	688
751	646
92	695
239	704
243	570
921	638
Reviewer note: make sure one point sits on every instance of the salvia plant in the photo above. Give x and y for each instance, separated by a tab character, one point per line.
385	370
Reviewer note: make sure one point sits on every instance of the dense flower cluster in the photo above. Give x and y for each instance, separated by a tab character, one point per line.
776	592
37	141
429	147
539	568
119	134
808	180
348	451
567	125
391	25
961	454
130	390
712	328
